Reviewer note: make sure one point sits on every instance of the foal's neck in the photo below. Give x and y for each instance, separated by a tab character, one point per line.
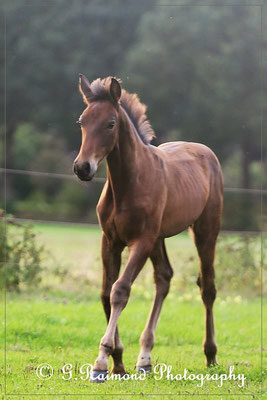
125	162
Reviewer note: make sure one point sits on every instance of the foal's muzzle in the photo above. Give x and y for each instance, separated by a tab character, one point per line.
83	170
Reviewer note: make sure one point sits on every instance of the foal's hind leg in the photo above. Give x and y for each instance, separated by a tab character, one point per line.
111	257
162	276
206	230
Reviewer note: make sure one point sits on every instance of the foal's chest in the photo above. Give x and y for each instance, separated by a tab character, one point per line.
125	225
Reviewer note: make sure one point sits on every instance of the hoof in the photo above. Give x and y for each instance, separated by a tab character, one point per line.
120	372
98	376
212	363
146	369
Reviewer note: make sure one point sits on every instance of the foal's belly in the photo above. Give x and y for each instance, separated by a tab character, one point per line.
176	225
183	208
178	220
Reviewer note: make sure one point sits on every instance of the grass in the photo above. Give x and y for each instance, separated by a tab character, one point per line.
62	321
58	333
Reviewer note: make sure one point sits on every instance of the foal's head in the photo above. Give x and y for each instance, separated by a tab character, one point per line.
99	125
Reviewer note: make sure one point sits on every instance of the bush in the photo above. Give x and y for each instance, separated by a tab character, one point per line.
27	142
73	202
238	263
20	255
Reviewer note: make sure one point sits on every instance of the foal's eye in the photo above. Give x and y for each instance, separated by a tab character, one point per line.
111	125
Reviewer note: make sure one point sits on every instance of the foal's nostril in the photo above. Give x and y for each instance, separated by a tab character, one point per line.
85	168
82	170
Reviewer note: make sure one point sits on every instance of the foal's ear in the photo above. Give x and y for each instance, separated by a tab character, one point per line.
84	87
115	89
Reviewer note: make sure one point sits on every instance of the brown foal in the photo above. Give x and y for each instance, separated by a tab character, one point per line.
151	193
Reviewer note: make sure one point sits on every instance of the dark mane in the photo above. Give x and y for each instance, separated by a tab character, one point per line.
135	110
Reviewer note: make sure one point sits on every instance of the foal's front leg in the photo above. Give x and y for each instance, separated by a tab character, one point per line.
162	276
111	258
139	252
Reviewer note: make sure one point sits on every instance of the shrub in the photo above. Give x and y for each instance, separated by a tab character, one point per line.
238	263
20	255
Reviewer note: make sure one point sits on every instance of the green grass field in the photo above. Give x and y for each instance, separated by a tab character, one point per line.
62	322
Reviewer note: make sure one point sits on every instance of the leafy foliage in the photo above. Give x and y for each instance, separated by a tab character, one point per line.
20	255
197	69
238	264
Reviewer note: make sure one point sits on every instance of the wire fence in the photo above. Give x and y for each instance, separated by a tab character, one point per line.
103	180
91	225
44	174
53	217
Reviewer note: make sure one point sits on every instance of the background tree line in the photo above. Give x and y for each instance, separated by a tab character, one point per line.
198	69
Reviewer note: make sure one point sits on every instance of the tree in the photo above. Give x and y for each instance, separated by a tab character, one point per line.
48	44
198	70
